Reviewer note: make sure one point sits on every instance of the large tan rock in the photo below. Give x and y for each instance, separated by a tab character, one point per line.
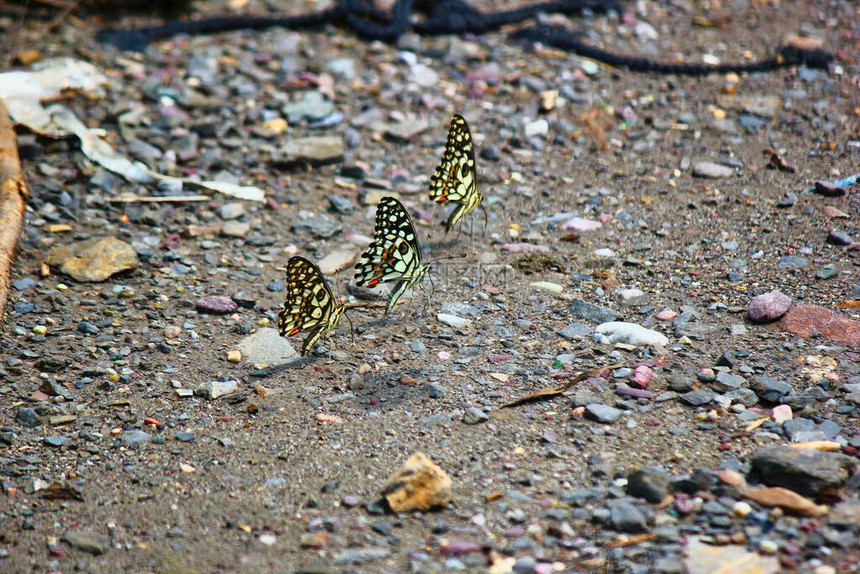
418	485
94	259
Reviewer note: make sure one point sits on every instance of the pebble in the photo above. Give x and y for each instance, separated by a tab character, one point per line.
235	229
833	238
781	414
590	313
216	305
602	413
575	331
806	320
793	262
135	438
24	283
827	272
712	170
627	517
808	472
768	307
453	320
580	225
231	210
435	391
699	397
312	107
88	542
214	389
419	484
725	382
651	483
337	260
313	151
828	189
267	347
474	415
93	259
536	128
27	417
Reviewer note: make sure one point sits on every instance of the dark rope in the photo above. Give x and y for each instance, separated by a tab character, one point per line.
557	37
458	17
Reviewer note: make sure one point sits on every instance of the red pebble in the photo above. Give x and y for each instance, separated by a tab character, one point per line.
641	376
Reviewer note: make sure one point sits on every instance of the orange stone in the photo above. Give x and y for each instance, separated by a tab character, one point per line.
804	320
418	485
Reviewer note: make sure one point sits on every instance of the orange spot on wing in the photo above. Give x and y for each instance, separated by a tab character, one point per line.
372	282
293	332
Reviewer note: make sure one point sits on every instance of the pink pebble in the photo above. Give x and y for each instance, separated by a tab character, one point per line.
781	413
641	376
604	218
665	315
580	224
524	248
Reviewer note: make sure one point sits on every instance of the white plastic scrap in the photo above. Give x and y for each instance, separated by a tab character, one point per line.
629	333
22	93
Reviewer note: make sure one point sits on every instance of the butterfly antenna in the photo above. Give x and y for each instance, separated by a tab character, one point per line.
351	329
429	297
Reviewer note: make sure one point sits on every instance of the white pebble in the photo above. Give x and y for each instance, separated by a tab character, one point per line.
547	286
537	128
741	509
452	320
768	546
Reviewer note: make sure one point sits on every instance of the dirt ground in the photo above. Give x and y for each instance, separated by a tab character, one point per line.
249	481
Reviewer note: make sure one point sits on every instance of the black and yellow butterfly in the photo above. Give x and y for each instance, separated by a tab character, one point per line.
394	254
454	179
309	304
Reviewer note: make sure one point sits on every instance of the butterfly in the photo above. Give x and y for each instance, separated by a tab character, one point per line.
394	254
454	179
309	305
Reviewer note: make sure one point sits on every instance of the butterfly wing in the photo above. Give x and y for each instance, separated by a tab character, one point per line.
454	179
394	254
309	304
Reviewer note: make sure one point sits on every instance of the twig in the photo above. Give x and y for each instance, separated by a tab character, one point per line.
13	201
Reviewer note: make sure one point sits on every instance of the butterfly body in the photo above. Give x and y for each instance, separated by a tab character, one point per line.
454	179
309	304
394	254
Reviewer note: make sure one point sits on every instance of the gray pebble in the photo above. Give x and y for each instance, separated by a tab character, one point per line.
793	262
474	415
590	313
699	397
651	483
838	238
135	438
435	391
575	330
807	471
602	413
827	272
627	517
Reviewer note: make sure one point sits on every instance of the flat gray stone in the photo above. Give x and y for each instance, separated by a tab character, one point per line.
88	542
602	413
590	313
267	347
804	470
699	397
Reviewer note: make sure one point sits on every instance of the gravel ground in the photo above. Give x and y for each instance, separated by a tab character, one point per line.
610	196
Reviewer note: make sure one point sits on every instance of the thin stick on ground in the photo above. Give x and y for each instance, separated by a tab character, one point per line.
13	201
